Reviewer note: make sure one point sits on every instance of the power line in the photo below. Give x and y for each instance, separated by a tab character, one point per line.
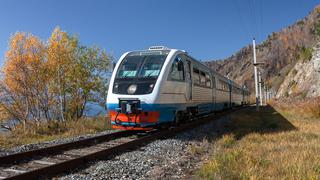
261	19
252	18
242	17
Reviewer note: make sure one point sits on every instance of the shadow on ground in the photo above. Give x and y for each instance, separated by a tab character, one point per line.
241	123
267	120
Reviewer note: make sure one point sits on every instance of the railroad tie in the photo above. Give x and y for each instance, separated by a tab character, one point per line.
44	162
14	170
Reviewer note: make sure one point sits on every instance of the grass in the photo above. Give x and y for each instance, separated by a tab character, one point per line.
52	130
279	142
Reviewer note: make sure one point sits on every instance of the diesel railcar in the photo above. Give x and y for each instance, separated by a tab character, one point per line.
160	86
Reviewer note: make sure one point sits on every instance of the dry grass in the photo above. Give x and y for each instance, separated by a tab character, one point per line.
53	130
268	145
306	109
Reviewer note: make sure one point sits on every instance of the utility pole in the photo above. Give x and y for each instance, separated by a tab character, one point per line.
266	94
260	89
255	73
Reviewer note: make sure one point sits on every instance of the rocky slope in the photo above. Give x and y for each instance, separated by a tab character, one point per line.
303	79
279	53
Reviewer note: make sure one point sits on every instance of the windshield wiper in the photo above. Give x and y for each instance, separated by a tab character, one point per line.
126	75
149	75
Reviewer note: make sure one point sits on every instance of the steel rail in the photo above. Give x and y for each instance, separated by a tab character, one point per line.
14	158
55	169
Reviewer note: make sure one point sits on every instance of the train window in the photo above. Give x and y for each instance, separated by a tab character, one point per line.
213	82
208	81
202	78
196	76
175	74
222	85
225	86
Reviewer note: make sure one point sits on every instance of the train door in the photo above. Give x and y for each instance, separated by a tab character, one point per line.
230	93
214	99
188	80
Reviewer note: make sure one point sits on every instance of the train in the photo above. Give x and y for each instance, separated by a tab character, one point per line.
159	86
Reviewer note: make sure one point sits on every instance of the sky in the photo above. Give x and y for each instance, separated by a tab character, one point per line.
206	29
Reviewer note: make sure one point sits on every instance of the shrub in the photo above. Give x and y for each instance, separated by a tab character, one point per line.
305	54
294	72
292	84
317	29
300	22
303	95
286	94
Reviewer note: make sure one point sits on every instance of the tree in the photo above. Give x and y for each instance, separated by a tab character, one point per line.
61	55
90	77
24	88
77	72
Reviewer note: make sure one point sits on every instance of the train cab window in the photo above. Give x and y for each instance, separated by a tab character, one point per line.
196	76
176	72
208	81
202	78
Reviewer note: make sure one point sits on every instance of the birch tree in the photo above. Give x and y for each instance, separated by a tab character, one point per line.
24	87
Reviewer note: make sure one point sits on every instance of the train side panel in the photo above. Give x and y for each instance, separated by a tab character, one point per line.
197	90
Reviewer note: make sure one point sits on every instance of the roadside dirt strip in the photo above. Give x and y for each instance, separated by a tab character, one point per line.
49	161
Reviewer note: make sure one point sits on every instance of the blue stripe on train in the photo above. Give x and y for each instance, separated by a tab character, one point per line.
167	111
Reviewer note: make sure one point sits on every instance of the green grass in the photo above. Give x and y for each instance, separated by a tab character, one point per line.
270	144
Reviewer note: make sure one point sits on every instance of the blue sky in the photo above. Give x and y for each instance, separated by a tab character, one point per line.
207	29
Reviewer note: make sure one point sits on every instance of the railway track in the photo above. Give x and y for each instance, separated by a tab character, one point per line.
50	161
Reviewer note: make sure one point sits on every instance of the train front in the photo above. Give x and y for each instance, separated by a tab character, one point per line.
134	87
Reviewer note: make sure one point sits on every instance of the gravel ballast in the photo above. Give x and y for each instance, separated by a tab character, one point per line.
172	158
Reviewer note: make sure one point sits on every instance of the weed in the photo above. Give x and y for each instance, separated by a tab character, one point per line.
228	141
53	130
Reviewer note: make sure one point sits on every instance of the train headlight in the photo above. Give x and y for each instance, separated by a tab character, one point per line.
116	86
132	89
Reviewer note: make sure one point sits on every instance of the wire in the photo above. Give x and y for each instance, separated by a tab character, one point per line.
261	19
242	17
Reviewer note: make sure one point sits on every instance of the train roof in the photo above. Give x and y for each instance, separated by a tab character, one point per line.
163	48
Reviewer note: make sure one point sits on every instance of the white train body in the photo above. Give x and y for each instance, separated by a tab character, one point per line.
156	86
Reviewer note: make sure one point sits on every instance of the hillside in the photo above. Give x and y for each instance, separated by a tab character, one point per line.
279	53
303	80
